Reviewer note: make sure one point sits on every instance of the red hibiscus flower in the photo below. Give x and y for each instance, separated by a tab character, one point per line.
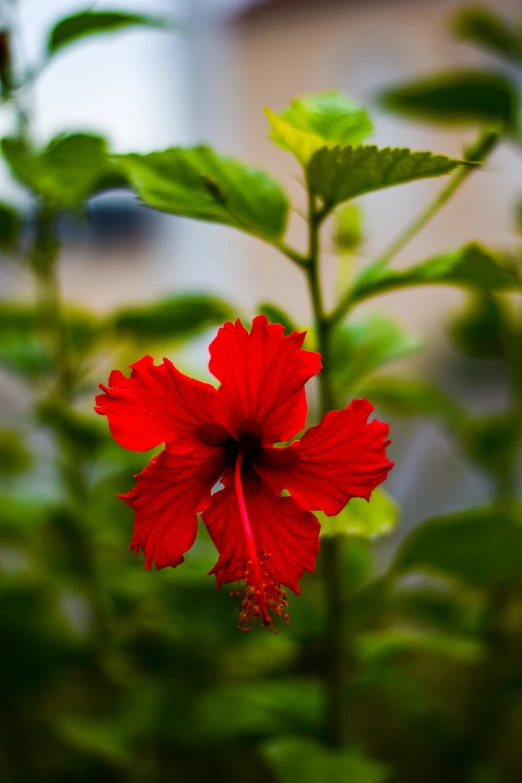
227	434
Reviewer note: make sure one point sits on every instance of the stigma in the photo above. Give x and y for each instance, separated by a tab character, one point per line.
260	591
261	596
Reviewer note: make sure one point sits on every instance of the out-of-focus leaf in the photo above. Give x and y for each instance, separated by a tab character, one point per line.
315	121
69	170
24	349
348	234
10	227
478	330
305	760
361	346
381	646
21	349
23	319
14	456
260	709
20	518
470	267
86	23
96	738
198	183
430	607
359	517
457	96
17	317
480	547
261	655
338	174
490	442
486	28
29	359
276	315
87	433
412	398
175	318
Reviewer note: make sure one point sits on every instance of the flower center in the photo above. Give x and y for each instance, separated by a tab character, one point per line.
262	592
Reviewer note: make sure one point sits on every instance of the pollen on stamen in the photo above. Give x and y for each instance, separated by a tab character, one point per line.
260	599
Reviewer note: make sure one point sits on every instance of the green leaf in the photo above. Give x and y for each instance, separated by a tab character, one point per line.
21	518
95	738
491	443
24	348
305	760
457	96
315	121
484	27
85	432
276	315
382	647
359	517
348	233
10	227
479	330
22	351
69	170
198	183
21	319
412	398
72	28
30	360
14	457
481	547
259	708
341	173
175	318
362	346
470	267
16	317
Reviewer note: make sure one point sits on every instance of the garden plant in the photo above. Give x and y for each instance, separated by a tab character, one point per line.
127	668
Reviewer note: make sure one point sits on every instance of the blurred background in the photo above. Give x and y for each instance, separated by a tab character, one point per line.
116	674
147	90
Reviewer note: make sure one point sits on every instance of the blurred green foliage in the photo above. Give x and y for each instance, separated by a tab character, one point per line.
112	673
87	23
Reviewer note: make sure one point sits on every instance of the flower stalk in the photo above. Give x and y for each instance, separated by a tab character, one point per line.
331	548
335	655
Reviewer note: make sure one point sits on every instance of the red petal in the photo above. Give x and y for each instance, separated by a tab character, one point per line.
343	457
281	529
262	378
156	404
168	494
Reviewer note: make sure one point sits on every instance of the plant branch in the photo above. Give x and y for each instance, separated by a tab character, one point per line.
292	254
476	153
330	547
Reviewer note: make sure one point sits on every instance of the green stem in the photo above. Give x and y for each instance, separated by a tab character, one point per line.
330	547
44	260
292	254
476	153
54	327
